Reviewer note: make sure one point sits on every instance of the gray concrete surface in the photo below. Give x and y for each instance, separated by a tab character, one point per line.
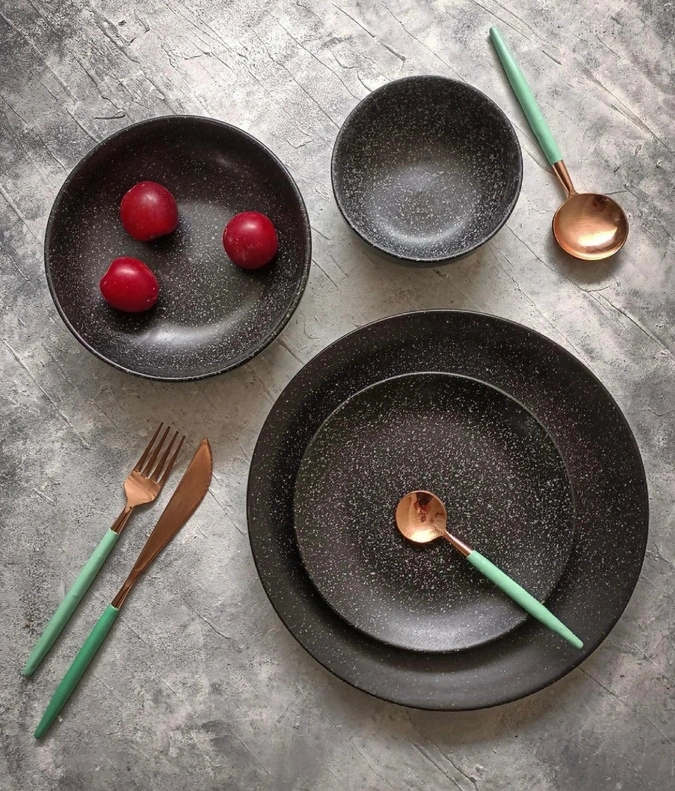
202	687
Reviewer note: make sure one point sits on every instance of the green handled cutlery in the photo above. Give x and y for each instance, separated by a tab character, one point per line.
421	517
188	495
143	485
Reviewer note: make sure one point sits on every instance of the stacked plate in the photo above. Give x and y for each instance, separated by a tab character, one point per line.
538	470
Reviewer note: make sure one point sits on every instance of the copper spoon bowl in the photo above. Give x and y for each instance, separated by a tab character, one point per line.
587	225
422	517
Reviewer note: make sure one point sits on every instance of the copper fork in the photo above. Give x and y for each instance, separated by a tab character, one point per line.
143	485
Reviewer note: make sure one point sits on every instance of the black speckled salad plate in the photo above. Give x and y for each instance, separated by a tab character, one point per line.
494	467
211	316
544	416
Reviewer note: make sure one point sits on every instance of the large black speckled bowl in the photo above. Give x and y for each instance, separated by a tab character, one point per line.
426	169
604	471
211	316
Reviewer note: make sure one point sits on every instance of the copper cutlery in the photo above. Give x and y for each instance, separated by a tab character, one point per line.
188	495
587	225
421	517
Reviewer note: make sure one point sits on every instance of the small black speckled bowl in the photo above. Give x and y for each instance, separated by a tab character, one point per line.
426	170
211	315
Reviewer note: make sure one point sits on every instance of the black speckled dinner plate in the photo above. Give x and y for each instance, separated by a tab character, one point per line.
494	467
426	169
211	316
605	474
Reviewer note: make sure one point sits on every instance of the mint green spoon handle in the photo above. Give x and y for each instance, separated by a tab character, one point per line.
522	597
76	670
526	98
71	600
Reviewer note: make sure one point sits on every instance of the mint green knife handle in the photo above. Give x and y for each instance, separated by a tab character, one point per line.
70	602
522	597
77	668
526	98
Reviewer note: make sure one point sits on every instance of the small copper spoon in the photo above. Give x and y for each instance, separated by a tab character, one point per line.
587	225
421	517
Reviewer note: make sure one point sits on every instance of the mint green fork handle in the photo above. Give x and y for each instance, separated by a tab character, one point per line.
522	597
71	600
77	668
524	94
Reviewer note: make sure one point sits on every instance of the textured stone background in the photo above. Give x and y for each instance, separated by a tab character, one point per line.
202	687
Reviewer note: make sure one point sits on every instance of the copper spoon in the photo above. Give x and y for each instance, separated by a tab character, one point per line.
422	517
587	225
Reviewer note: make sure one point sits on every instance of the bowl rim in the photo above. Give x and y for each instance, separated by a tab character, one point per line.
297	295
451	83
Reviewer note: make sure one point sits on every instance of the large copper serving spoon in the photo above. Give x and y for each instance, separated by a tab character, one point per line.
421	517
587	225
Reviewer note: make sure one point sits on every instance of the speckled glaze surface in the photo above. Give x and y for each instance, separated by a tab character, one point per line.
497	472
211	316
426	169
605	473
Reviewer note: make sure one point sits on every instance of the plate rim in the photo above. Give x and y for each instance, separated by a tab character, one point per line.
508	697
276	330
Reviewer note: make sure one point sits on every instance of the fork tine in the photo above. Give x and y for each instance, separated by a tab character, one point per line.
171	462
147	449
160	464
153	458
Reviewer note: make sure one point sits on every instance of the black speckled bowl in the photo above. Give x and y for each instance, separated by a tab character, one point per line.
211	316
426	169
